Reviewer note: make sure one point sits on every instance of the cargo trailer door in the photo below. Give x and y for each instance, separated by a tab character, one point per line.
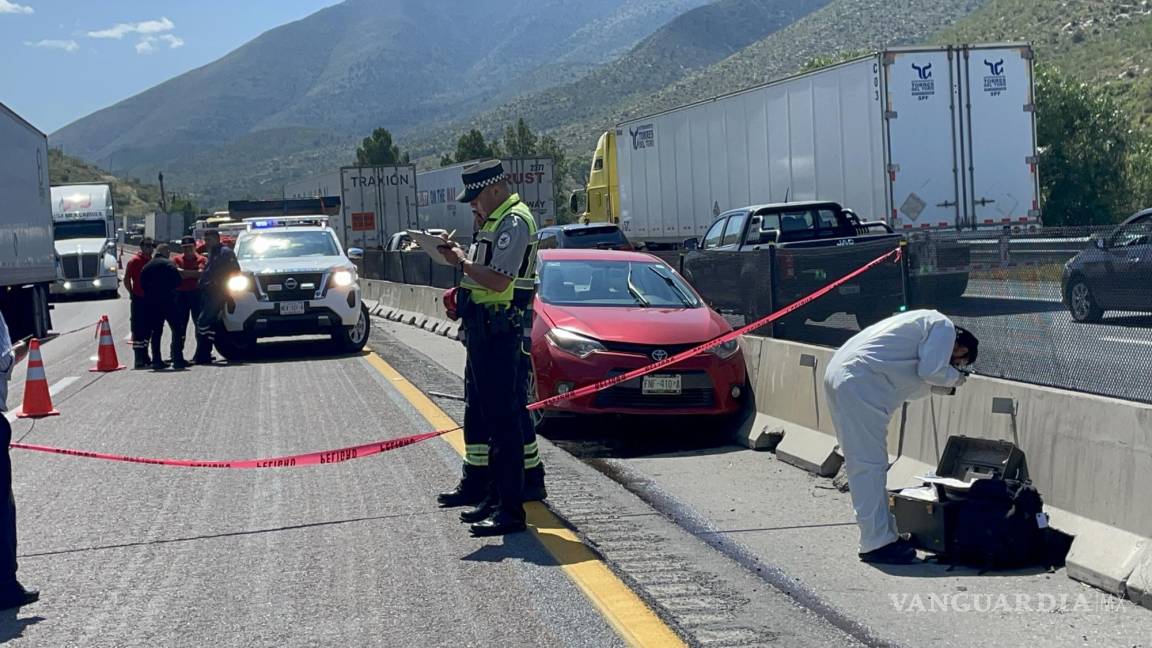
1001	136
922	138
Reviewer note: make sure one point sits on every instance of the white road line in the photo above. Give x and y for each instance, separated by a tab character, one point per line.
1127	341
53	389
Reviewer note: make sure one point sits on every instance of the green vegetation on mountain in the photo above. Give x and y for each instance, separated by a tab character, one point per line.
133	197
1106	43
378	148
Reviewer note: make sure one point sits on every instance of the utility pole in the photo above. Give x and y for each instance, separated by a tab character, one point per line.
163	198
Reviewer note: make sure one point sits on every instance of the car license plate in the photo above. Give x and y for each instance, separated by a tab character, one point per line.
291	308
850	289
661	385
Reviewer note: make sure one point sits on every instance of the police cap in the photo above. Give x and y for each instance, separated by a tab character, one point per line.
479	176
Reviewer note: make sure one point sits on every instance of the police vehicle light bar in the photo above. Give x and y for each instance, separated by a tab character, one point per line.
286	221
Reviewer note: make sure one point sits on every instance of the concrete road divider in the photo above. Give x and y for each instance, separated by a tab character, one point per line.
1089	456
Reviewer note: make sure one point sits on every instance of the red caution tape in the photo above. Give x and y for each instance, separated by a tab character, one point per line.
727	337
291	461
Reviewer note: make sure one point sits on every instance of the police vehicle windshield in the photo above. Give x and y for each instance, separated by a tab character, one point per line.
286	245
614	283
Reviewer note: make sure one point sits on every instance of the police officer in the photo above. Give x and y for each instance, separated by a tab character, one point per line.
12	593
160	278
494	301
138	316
213	285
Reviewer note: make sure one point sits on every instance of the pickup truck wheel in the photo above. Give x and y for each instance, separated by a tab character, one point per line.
234	346
353	338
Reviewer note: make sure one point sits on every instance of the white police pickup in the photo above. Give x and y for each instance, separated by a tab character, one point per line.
294	280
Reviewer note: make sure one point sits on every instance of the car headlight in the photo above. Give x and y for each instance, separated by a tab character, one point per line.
239	283
343	278
726	350
573	343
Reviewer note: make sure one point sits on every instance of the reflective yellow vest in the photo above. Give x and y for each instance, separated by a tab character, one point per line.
520	290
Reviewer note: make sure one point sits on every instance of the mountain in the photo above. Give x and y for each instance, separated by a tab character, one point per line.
1102	42
362	64
692	41
836	27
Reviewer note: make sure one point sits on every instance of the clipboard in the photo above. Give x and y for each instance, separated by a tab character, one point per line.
429	245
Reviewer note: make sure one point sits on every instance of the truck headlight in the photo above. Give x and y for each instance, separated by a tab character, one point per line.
726	350
343	278
574	343
239	283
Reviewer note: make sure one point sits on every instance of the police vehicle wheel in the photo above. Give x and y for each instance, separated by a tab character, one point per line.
353	338
234	346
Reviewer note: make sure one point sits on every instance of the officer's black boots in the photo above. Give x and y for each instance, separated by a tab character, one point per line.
482	511
501	523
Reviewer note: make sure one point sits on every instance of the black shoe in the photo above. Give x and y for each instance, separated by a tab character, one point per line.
460	496
141	364
499	524
482	512
19	597
203	361
900	552
180	364
535	493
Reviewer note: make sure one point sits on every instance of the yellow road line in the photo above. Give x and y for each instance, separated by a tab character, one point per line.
632	619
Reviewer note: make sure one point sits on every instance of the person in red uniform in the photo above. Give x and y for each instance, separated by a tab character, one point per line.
187	302
139	316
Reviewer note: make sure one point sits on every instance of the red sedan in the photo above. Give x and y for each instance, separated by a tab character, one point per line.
602	313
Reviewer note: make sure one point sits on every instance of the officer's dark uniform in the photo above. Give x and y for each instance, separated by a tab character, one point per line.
213	284
496	426
12	593
160	278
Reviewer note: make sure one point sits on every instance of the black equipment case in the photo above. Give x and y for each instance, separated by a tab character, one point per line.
931	524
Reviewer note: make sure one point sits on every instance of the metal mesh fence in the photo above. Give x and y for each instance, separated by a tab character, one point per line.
1065	308
411	267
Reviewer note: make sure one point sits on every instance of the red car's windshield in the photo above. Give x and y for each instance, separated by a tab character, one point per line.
614	283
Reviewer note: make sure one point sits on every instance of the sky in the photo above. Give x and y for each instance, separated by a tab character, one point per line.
63	59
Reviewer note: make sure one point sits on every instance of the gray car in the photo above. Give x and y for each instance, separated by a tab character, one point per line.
1115	273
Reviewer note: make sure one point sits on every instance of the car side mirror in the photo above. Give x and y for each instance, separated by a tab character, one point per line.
691	244
355	254
574	203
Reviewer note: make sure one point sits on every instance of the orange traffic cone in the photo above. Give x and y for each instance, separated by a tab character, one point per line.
37	400
106	360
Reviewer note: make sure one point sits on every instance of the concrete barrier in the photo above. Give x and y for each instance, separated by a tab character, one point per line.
1089	456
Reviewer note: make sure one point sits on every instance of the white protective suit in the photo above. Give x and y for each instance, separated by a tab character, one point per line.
868	379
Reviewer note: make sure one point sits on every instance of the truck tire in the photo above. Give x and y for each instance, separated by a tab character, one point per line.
43	317
234	347
352	339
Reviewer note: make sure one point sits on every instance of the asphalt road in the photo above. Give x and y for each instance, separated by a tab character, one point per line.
792	533
353	554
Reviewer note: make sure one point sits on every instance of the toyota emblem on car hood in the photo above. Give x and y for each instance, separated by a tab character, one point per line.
290	283
659	355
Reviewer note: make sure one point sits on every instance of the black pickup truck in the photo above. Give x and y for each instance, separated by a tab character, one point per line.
757	259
